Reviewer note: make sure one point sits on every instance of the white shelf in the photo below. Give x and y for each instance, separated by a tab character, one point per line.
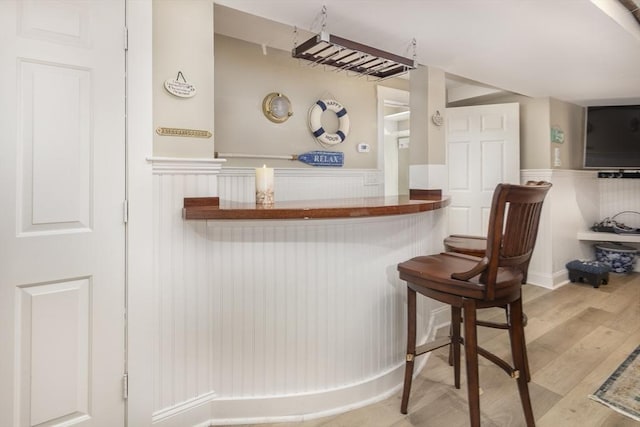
608	237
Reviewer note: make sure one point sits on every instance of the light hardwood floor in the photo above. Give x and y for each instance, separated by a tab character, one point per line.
576	337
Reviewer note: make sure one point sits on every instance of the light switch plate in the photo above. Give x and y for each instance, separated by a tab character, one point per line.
363	148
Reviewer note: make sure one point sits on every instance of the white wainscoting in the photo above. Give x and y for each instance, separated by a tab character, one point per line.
182	380
289	320
238	184
279	320
617	195
540	271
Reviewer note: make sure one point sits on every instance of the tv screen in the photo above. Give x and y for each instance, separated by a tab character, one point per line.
612	137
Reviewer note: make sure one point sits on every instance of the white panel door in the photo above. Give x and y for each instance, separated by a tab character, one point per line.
62	182
483	149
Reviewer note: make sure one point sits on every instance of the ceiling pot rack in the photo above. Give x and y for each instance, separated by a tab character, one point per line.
350	56
347	55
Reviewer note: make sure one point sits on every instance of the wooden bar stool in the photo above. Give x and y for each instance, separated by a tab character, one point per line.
470	283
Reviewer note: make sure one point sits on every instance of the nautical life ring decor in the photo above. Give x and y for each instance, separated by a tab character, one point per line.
315	122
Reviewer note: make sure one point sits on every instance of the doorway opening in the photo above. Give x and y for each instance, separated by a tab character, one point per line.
394	133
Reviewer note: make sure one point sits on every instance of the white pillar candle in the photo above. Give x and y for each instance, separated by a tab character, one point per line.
264	185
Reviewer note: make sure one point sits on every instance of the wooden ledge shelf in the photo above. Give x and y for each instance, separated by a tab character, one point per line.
598	236
213	208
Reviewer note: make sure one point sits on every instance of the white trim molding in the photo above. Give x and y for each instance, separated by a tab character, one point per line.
174	413
173	165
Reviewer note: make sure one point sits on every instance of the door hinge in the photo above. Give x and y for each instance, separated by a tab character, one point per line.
125	386
125	211
126	38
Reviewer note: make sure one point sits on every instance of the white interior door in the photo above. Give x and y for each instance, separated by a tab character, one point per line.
62	181
483	149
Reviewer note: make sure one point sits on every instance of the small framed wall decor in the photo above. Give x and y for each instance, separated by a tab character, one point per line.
557	135
181	89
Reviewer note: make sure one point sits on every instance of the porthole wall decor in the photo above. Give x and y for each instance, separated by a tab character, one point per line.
276	107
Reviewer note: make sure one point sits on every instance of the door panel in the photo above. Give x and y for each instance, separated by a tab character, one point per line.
62	170
54	332
55	144
483	149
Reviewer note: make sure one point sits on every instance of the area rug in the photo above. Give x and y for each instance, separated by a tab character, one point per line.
621	391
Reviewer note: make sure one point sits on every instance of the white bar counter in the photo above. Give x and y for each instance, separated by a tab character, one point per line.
287	319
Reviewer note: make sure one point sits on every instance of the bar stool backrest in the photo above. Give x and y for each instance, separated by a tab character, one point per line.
513	229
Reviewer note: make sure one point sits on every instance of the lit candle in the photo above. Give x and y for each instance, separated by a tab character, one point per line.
264	185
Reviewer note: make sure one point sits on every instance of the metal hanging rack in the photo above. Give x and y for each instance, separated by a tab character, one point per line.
350	56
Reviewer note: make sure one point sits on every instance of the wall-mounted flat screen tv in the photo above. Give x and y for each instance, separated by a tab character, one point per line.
612	137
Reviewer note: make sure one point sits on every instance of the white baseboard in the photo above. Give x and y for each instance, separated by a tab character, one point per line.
556	280
542	280
185	413
560	278
301	407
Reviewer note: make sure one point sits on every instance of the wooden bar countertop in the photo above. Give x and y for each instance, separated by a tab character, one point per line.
213	208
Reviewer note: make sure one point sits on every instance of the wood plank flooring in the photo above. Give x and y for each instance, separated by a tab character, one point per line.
576	337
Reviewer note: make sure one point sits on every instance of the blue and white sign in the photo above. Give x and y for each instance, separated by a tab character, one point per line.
322	158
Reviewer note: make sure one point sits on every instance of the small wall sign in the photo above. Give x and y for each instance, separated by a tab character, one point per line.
557	135
181	89
193	133
322	158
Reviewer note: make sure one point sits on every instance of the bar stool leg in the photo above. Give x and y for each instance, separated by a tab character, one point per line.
516	333
411	348
471	355
454	353
526	371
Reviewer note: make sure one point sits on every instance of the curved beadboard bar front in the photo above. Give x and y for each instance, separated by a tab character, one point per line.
307	318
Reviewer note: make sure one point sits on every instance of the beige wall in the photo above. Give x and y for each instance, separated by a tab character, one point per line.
428	95
183	41
244	76
419	84
436	102
570	119
535	150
